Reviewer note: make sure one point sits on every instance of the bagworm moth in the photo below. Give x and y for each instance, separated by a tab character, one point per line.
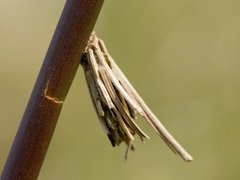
116	101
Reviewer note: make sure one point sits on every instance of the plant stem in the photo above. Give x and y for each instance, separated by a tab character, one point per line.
54	80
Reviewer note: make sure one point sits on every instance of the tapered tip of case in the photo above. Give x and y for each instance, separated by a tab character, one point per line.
187	158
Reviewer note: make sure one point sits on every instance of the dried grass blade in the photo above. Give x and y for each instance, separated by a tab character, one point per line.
150	117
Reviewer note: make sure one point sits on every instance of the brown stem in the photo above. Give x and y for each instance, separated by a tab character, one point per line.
58	70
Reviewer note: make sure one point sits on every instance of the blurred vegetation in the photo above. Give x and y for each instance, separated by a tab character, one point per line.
182	57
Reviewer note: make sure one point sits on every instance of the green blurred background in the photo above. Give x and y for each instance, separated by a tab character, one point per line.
183	58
